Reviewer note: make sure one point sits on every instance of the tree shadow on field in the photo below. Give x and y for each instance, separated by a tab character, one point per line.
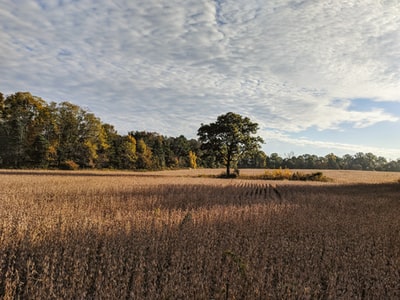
187	197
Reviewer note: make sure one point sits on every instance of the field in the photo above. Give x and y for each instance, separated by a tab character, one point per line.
175	235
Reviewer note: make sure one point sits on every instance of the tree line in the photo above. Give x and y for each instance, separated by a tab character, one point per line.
358	161
37	134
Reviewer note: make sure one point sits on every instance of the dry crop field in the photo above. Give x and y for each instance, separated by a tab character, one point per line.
173	235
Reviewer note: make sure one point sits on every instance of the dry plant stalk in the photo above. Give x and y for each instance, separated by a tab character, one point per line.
106	235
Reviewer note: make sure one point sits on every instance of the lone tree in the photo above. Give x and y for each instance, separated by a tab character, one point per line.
229	138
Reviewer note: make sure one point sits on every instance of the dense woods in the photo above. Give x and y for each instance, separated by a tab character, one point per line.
37	134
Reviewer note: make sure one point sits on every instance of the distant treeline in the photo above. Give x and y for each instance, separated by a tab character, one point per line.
359	161
37	134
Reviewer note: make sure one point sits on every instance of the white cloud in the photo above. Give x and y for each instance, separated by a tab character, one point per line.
167	66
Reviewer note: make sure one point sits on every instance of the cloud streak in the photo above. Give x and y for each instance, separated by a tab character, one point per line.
167	66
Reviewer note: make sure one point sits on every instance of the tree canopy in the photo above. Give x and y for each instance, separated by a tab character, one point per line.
37	134
228	139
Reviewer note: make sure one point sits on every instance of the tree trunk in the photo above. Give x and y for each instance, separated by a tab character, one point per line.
228	167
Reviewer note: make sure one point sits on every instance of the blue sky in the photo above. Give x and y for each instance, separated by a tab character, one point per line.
318	76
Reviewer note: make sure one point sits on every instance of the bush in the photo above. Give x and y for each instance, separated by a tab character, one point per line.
286	174
316	176
278	174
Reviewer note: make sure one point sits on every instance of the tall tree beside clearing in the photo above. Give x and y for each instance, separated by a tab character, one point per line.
229	138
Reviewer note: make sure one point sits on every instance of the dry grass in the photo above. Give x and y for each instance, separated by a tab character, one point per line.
77	235
338	176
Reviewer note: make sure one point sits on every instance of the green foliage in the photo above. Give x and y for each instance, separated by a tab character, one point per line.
37	134
25	126
144	155
359	161
80	135
229	138
256	160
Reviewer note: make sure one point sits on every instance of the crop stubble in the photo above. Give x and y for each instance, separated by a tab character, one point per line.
146	236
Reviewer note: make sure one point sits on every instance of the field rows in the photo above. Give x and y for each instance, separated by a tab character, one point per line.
149	237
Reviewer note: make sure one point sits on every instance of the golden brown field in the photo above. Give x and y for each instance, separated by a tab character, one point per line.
174	235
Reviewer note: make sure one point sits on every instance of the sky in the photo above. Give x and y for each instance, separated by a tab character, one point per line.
318	76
